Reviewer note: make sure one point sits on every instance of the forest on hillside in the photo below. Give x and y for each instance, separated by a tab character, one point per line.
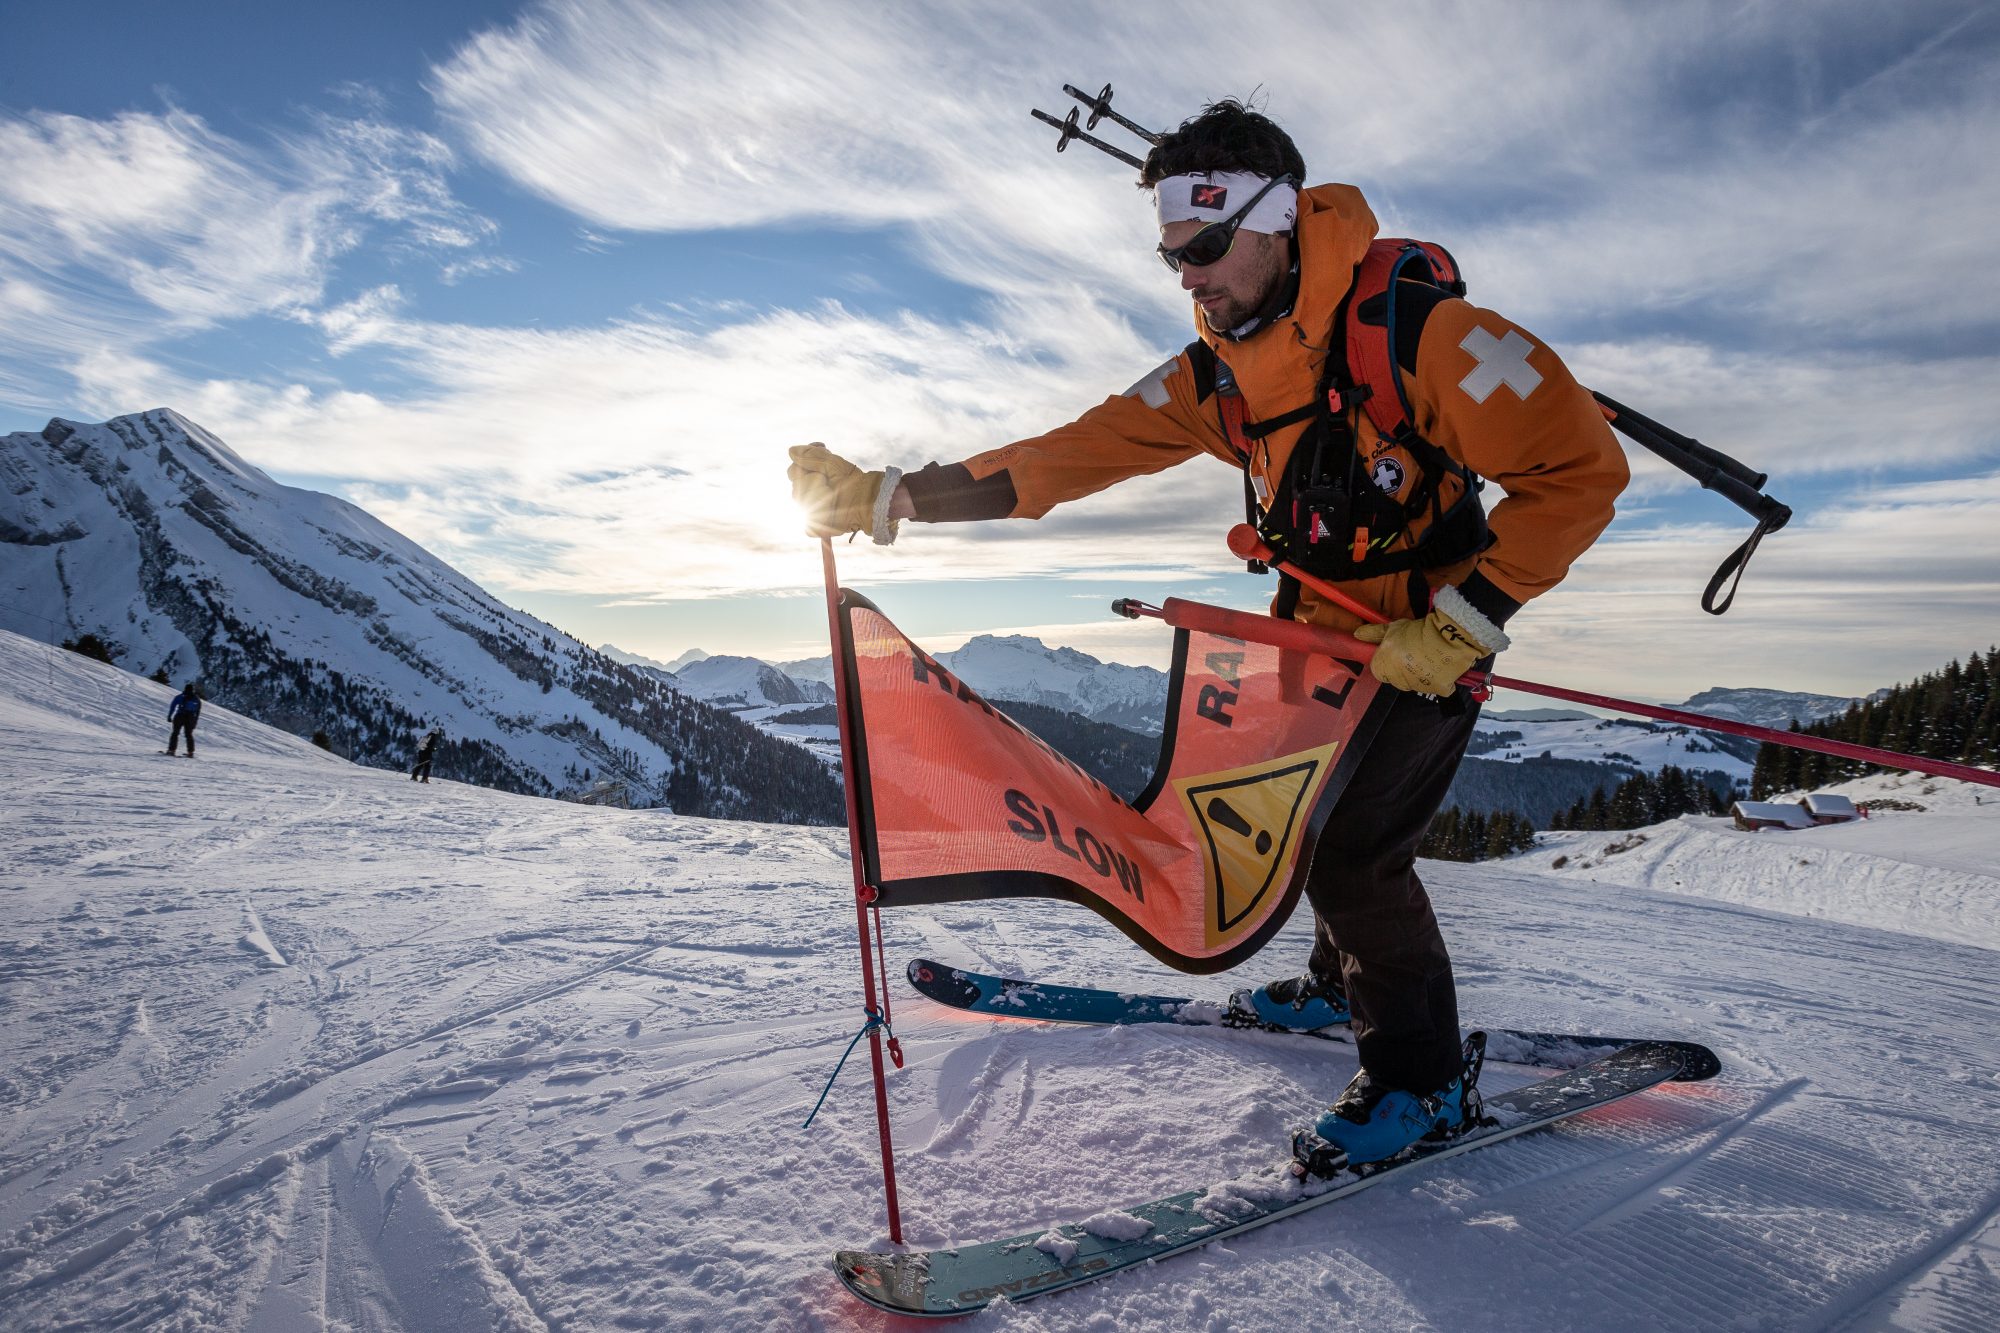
1952	714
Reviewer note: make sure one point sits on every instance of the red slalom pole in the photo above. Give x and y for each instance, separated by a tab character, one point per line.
1301	637
1245	544
1867	754
864	893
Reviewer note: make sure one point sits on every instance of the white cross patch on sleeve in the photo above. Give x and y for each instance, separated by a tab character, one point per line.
1501	361
1152	391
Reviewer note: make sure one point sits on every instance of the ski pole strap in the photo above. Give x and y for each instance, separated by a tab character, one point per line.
1739	561
875	1020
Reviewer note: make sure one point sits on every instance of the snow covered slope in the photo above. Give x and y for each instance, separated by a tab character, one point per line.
303	610
1631	743
289	1043
1933	871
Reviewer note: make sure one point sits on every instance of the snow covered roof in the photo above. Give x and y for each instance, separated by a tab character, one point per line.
1828	803
1772	812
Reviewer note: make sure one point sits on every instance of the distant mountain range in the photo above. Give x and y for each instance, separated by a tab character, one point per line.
304	611
1016	667
1108	716
307	613
1776	709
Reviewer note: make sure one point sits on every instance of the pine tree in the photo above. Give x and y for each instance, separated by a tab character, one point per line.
89	645
1676	795
1630	804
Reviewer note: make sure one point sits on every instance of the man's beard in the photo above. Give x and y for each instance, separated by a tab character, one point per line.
1232	313
1238	310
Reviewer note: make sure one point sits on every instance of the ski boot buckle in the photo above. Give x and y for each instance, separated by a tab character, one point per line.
1313	1158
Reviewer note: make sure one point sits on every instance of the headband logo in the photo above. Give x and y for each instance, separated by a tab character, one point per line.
1209	196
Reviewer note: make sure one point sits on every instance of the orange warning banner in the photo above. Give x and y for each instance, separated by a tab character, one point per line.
958	801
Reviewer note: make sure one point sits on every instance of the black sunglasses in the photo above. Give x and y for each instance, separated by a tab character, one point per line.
1217	238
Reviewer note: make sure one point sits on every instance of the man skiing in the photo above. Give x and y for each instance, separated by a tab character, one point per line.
426	750
1393	519
184	712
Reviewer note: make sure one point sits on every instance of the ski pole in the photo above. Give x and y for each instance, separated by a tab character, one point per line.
1711	469
1245	544
1298	636
1292	635
1100	108
1070	130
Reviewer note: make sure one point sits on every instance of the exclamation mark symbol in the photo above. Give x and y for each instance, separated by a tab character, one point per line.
1221	812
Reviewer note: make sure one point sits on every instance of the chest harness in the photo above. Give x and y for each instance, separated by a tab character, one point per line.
1333	513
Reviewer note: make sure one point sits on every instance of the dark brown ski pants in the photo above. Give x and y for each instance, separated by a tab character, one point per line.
1376	929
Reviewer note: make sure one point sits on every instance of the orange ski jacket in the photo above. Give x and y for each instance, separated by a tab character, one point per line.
1491	395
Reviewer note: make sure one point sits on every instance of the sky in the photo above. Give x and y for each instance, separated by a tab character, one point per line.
552	287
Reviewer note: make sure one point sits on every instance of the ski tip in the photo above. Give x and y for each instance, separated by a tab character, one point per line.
946	985
892	1282
1698	1063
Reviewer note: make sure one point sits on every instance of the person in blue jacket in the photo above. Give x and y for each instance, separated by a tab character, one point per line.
184	712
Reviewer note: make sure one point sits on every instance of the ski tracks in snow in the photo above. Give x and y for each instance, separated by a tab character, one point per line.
529	1065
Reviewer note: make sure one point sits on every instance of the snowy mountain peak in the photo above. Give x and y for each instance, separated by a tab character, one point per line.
161	429
307	612
745	682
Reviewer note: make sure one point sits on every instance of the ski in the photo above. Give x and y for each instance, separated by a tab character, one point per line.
945	1283
981	993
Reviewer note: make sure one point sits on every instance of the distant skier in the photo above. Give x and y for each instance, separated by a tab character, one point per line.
425	751
184	712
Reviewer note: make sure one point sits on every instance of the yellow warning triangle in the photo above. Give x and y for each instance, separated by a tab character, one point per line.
1250	820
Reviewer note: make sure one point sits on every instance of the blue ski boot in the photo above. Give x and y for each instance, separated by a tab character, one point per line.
1298	1004
1371	1122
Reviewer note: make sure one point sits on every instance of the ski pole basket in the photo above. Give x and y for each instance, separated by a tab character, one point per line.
1100	109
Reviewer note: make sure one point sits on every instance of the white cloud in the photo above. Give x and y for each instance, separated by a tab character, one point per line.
1896	580
124	233
1658	188
157	206
1800	414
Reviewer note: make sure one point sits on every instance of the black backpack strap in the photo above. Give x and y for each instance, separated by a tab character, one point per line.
1415	300
1201	360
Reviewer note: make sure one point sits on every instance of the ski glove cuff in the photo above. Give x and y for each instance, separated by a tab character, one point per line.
1428	656
839	497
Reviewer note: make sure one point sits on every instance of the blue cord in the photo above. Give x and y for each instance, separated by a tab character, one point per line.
874	1021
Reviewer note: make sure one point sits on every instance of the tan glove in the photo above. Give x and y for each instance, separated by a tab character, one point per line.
1428	656
839	497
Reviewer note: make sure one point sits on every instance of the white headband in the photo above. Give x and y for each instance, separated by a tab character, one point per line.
1211	196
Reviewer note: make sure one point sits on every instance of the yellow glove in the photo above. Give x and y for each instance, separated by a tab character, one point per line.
1428	656
839	497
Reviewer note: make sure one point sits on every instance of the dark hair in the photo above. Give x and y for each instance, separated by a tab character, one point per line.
1226	136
